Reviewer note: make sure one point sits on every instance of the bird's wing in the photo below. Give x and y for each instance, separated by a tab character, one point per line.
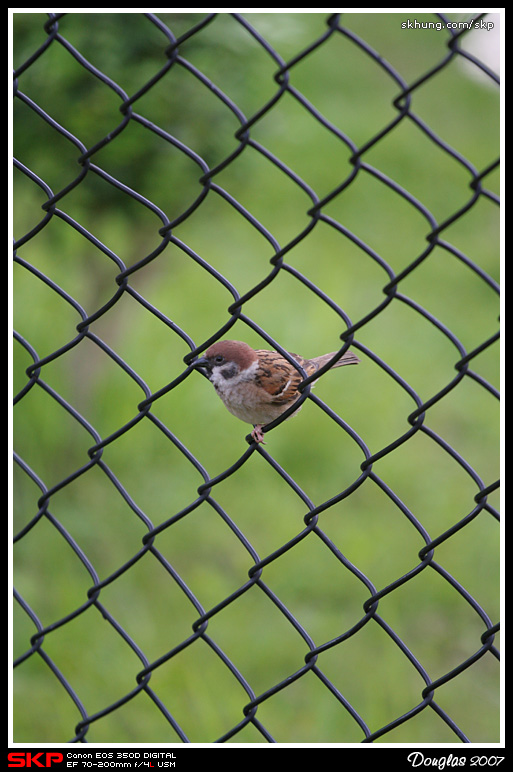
279	378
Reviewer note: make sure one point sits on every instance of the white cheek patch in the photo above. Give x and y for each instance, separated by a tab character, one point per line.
217	379
226	385
249	373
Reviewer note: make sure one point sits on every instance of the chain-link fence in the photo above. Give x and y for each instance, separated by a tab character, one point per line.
305	183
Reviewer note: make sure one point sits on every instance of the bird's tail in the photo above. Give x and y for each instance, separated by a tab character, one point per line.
346	359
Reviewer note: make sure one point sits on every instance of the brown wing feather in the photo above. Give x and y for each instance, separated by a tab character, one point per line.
279	378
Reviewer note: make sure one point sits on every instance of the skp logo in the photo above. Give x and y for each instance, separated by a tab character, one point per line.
27	759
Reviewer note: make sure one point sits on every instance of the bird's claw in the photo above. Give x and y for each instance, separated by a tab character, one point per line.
258	434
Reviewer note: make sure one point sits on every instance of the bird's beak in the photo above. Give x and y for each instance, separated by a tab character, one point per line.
202	364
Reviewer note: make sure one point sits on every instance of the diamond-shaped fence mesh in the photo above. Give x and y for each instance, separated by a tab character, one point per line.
302	182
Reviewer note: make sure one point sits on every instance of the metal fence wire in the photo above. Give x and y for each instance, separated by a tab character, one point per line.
306	183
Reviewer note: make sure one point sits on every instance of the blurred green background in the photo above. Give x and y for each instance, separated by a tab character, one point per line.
355	94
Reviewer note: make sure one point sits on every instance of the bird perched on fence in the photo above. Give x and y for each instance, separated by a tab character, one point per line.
258	386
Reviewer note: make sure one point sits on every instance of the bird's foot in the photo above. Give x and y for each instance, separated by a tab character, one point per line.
258	434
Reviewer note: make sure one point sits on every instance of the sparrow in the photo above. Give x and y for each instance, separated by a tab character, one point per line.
258	386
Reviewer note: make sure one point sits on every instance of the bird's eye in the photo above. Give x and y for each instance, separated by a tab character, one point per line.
219	359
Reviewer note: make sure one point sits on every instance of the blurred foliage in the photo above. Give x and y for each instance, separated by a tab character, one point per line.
356	95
